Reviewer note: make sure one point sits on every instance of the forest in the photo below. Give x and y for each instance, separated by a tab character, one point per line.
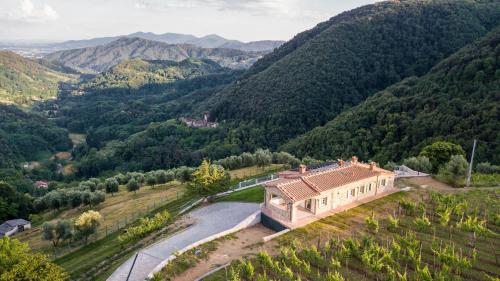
457	100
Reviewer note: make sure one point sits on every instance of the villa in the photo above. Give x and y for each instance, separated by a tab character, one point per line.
300	197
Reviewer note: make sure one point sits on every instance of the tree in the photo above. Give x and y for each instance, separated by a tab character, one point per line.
420	163
263	157
18	263
111	185
87	223
74	198
454	170
151	180
57	231
97	197
209	178
12	203
440	153
133	185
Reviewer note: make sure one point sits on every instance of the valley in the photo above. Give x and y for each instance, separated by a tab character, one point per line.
363	148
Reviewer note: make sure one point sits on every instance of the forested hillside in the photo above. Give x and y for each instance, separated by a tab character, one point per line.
23	136
137	72
23	81
103	57
458	100
322	72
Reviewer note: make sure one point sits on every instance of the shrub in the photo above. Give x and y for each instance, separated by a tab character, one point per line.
455	170
408	207
372	223
487	168
420	163
146	225
393	223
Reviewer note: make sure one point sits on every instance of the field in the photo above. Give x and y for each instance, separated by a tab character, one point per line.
118	210
255	171
345	246
77	138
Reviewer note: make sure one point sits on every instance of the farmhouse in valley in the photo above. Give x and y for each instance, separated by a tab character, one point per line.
203	123
300	197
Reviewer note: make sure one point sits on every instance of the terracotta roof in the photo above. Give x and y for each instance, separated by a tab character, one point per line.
313	183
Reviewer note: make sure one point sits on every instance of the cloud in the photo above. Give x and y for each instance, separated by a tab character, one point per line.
26	11
290	8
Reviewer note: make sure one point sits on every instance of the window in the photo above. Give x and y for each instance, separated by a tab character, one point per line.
370	187
353	192
362	189
383	182
324	201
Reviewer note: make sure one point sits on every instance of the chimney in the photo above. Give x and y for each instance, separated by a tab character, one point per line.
373	165
340	162
302	168
354	159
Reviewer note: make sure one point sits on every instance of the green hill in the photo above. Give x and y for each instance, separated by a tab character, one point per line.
24	135
458	100
23	81
103	57
137	72
338	64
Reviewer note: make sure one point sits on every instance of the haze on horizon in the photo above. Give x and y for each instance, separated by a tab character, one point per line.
245	20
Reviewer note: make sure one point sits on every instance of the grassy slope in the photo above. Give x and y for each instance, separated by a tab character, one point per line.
115	210
23	81
137	72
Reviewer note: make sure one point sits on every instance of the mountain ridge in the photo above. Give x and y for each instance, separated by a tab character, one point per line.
208	41
103	57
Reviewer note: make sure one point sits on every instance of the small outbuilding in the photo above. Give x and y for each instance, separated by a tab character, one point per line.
12	227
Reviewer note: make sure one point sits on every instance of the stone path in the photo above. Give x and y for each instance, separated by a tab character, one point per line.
209	220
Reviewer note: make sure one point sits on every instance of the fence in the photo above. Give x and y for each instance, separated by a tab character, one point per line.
172	204
176	206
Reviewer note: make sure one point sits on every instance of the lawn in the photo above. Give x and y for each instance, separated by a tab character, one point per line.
118	210
252	194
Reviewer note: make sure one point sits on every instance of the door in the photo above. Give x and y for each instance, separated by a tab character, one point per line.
308	204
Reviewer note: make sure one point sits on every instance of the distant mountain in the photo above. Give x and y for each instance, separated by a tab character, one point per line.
102	58
458	100
137	72
338	64
23	81
209	41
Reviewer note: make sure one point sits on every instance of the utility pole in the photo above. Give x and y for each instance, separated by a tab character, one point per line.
469	173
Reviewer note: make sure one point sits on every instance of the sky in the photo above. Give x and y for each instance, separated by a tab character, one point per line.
245	20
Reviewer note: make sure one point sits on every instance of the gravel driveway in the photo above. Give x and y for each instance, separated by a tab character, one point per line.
209	220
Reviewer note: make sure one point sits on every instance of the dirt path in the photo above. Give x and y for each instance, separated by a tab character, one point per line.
426	182
247	242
